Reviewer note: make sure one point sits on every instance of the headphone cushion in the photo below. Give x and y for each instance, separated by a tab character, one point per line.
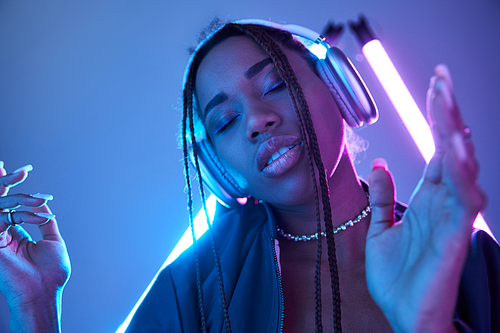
348	114
216	176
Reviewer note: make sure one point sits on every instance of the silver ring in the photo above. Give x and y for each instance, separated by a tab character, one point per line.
9	217
467	133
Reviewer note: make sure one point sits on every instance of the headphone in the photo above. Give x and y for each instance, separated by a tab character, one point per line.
338	73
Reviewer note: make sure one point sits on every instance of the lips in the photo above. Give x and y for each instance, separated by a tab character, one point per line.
278	154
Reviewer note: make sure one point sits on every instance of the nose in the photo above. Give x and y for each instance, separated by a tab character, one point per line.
261	120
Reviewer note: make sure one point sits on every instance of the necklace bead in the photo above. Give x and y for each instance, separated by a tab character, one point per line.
343	226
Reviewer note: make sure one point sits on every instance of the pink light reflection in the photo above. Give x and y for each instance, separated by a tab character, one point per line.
406	107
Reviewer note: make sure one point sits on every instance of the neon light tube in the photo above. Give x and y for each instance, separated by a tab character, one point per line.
400	97
406	107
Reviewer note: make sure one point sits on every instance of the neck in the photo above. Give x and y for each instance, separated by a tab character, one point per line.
347	200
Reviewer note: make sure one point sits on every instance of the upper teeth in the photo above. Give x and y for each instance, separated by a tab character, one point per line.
278	153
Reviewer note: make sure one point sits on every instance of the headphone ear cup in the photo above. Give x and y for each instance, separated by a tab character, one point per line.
215	176
348	89
330	82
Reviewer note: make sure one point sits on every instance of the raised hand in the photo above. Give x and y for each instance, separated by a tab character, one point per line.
32	274
414	267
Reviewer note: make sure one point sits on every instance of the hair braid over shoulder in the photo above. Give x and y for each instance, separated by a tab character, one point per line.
188	113
188	102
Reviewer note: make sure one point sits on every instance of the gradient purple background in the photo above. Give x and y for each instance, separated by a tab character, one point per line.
89	92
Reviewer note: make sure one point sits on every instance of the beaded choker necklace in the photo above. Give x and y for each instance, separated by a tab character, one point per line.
343	226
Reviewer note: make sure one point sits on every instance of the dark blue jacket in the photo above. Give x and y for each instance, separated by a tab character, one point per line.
245	240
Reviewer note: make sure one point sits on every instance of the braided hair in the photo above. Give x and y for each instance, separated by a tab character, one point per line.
271	40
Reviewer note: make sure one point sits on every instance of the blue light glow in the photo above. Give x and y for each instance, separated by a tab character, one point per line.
200	226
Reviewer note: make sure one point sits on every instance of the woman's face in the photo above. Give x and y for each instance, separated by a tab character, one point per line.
250	118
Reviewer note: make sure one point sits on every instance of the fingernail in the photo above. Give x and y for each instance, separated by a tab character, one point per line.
42	196
45	215
26	168
1	164
445	92
458	144
443	72
379	163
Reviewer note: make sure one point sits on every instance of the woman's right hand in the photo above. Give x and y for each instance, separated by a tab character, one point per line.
414	267
32	274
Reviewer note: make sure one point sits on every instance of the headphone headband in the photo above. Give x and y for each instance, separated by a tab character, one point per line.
294	29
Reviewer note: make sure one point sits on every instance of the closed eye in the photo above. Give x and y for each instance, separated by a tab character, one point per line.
276	87
226	124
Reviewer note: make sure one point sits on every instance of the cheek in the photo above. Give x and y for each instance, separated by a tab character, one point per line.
329	127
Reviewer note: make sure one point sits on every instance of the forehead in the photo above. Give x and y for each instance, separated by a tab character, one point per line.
229	59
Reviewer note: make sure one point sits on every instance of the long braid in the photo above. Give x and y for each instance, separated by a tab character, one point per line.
225	310
187	102
294	88
300	103
227	323
325	196
327	213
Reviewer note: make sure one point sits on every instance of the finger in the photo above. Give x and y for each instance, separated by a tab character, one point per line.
439	114
50	229
446	122
13	179
18	237
382	198
463	179
434	170
19	217
5	238
19	233
442	111
430	108
443	71
445	90
17	200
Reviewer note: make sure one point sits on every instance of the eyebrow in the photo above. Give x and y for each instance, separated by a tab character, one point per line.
251	72
257	68
219	98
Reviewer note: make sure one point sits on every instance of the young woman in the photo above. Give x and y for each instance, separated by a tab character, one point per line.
254	95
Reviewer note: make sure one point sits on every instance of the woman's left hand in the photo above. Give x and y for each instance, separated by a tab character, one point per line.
413	268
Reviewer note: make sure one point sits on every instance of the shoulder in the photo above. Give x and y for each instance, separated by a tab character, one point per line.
479	294
482	266
482	243
483	256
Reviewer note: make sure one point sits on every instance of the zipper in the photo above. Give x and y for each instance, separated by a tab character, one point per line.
280	288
